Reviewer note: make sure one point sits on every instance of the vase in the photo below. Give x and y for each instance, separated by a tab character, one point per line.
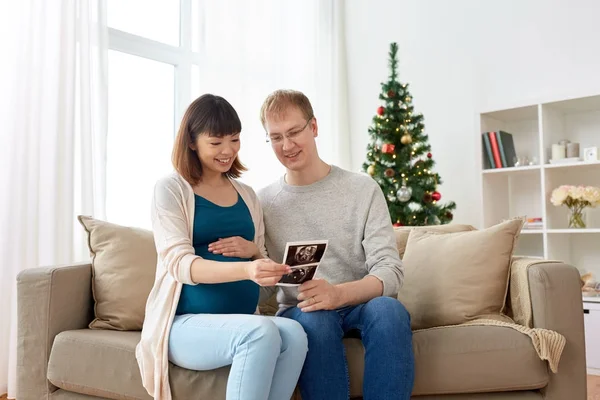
577	218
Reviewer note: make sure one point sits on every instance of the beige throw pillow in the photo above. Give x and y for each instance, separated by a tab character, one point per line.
402	233
123	269
451	278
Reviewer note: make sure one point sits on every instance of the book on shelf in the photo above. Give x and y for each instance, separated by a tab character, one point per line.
534	223
498	150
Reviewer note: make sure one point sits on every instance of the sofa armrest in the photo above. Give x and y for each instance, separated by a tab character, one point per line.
49	301
557	305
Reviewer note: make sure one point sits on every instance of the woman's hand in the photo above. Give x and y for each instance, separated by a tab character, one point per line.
266	272
235	246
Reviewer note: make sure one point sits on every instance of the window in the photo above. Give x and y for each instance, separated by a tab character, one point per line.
148	72
140	126
164	54
155	20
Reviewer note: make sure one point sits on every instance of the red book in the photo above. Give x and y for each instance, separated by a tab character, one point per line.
495	151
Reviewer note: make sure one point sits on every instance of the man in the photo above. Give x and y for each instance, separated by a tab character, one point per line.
357	282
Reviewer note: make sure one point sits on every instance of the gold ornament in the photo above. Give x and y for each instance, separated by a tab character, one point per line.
371	170
406	139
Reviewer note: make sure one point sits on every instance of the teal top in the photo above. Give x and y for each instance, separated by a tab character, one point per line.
212	222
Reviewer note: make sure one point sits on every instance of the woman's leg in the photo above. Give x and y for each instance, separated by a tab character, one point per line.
251	344
294	346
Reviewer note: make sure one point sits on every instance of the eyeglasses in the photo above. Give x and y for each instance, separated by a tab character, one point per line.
278	138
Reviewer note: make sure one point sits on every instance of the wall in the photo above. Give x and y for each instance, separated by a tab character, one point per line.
463	57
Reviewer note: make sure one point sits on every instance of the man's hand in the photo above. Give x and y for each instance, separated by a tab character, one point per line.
235	246
318	294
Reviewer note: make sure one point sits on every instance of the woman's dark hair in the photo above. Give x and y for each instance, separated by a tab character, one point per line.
211	115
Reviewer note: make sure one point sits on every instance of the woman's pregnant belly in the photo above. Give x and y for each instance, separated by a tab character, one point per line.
240	297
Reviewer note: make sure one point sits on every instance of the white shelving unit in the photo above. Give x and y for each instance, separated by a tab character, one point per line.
526	190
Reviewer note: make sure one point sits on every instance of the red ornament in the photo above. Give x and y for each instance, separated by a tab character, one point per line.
380	110
388	148
449	215
436	196
429	155
391	94
389	172
427	198
397	225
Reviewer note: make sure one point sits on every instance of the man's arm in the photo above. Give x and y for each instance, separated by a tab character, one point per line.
318	294
382	261
358	292
379	243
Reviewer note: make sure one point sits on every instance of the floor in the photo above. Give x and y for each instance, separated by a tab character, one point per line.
593	383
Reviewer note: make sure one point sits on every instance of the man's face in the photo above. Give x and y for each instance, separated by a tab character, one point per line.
293	138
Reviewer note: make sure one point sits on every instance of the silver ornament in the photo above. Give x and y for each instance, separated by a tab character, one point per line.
403	194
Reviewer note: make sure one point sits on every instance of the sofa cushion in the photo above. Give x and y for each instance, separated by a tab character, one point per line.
470	359
102	363
402	233
459	359
451	278
123	270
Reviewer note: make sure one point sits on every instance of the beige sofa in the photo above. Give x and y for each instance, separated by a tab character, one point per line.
60	358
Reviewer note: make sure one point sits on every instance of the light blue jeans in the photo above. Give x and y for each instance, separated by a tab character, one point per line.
266	354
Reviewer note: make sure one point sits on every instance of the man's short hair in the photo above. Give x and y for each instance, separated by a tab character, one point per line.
278	102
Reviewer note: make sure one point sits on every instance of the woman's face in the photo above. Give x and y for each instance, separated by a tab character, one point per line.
217	154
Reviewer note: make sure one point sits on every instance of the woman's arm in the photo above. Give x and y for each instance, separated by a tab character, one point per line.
171	231
236	246
174	247
263	271
208	271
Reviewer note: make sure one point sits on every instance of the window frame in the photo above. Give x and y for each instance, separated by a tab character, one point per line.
180	57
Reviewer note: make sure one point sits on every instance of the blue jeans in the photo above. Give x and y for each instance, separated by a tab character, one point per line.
266	354
384	327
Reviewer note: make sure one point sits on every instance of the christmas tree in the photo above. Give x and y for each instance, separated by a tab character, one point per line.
399	157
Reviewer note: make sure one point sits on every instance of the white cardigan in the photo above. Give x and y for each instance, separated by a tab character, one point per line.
173	208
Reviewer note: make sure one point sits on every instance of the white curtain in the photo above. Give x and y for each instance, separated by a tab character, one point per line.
53	113
249	49
52	150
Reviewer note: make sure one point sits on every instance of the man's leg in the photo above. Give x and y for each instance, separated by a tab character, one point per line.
384	325
325	372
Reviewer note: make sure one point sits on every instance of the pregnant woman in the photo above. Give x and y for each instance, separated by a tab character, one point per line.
200	312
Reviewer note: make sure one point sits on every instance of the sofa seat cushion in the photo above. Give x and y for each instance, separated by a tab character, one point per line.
98	363
102	363
470	359
461	359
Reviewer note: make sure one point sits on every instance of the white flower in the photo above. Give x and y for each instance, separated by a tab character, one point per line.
592	195
577	192
559	195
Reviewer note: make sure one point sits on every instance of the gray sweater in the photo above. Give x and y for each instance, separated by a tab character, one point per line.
346	208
